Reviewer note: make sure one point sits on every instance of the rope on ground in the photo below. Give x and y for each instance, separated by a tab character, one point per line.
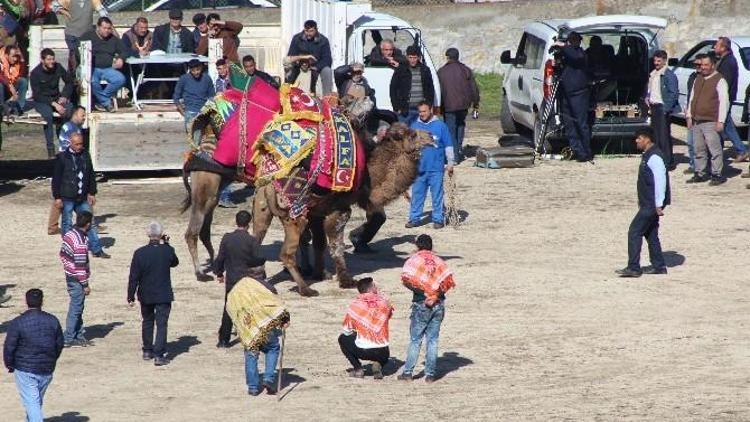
452	203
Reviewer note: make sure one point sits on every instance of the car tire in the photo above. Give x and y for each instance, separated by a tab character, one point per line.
507	123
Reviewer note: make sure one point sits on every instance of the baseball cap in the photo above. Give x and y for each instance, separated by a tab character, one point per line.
175	14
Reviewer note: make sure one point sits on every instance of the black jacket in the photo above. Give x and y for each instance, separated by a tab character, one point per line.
727	66
401	87
375	58
318	47
65	177
161	39
238	255
574	79
34	342
104	51
46	84
150	273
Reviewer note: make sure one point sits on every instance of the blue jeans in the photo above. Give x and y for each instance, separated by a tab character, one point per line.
74	322
730	131
434	181
115	80
691	149
69	206
189	116
409	117
22	86
425	322
271	350
456	122
46	111
31	388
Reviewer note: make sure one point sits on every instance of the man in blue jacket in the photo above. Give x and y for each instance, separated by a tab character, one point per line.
191	93
662	99
653	196
32	347
432	166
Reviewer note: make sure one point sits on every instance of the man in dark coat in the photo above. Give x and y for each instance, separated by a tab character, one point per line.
315	47
728	68
172	37
411	85
32	346
459	91
574	95
48	97
238	256
150	277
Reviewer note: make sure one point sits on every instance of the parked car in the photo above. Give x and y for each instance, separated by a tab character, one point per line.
683	67
621	79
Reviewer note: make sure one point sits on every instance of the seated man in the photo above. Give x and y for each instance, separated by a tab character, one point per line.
307	77
313	45
385	54
365	332
250	68
108	57
48	98
227	31
13	85
191	93
172	37
350	80
138	39
201	28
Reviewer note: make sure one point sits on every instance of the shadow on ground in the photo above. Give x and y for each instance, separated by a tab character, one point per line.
69	417
181	345
101	330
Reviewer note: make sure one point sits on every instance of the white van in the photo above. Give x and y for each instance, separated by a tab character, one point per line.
527	84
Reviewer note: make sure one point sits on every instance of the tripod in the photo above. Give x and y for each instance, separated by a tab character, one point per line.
540	144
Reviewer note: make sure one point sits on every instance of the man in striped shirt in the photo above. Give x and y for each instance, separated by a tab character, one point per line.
74	255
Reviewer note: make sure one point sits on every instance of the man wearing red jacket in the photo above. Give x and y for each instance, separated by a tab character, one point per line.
74	255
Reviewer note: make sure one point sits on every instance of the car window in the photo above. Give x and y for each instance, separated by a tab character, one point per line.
745	56
534	51
400	37
702	48
522	44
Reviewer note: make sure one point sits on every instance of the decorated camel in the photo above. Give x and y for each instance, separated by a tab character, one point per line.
308	161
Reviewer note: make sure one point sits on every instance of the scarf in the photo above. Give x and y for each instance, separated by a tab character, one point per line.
368	315
429	273
255	312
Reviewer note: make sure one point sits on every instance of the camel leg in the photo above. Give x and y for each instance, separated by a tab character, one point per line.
205	236
262	215
292	232
334	225
191	238
319	247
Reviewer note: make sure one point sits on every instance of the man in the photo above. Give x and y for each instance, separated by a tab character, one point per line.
459	92
706	114
259	316
432	165
227	31
653	196
108	57
689	141
429	278
350	80
385	54
74	189
191	93
201	28
307	77
238	257
250	69
223	82
32	346
172	37
574	90
662	101
80	19
48	98
315	46
138	39
66	131
74	255
13	85
365	333
727	67
150	276
411	85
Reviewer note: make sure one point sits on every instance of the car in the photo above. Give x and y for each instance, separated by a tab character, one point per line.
683	67
628	41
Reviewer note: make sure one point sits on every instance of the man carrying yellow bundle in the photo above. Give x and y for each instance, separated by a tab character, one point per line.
259	316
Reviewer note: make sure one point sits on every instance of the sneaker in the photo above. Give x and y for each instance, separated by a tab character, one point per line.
110	108
270	389
628	273
99	107
227	204
697	179
717	180
438	225
691	170
148	355
102	255
161	361
254	393
411	225
357	373
429	379
78	343
377	371
741	158
404	377
654	271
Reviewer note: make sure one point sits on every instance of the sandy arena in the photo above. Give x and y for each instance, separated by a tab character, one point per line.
539	327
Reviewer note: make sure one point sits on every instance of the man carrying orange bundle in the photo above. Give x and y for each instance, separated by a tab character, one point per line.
365	332
428	276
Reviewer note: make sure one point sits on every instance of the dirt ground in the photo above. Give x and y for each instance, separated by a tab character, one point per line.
539	328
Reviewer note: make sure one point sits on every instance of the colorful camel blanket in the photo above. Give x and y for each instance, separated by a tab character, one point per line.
429	273
368	315
255	312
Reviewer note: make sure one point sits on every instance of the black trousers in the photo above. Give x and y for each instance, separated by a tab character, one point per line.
225	330
354	353
662	132
158	313
575	116
645	224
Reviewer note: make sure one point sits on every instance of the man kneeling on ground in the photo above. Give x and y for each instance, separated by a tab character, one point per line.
365	332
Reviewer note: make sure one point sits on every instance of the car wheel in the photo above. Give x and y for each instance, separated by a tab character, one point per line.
506	119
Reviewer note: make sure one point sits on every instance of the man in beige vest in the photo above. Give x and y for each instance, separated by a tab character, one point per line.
705	115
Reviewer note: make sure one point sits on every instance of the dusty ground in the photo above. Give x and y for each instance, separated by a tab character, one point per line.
538	328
